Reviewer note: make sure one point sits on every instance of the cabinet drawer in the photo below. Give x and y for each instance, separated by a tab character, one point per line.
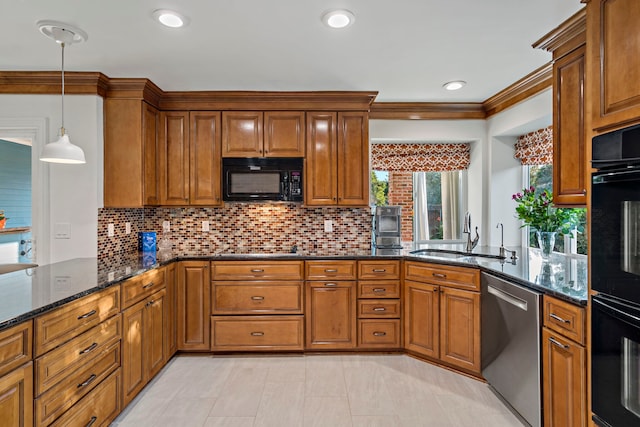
139	287
16	346
97	408
328	270
252	297
378	269
380	308
263	270
379	333
65	394
57	364
64	323
237	333
455	277
564	318
379	289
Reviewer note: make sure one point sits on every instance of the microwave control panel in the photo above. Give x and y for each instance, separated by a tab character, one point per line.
296	183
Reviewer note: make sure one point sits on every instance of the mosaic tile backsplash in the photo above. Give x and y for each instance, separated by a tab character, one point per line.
240	228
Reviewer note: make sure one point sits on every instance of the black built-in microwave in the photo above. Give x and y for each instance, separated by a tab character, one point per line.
262	179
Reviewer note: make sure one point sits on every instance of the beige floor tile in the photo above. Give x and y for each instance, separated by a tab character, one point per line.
241	393
286	369
324	377
367	392
375	421
282	404
327	411
229	422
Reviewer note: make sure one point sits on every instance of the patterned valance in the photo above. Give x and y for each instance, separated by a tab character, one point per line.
420	157
535	148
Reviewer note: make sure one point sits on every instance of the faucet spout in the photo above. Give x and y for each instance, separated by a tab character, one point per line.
502	249
467	230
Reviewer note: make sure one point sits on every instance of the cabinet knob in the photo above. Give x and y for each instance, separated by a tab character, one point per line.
584	191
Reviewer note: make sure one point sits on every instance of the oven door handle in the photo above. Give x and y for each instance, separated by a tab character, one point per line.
616	176
616	312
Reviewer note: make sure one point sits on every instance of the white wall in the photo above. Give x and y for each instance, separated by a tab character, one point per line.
75	191
494	174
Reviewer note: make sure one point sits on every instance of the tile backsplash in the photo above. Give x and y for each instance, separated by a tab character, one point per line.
240	228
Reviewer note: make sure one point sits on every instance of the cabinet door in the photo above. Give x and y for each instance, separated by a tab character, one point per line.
569	143
242	134
172	337
331	315
154	332
353	159
422	319
460	328
174	158
320	171
194	289
564	381
613	40
284	134
123	153
151	141
133	351
16	397
205	159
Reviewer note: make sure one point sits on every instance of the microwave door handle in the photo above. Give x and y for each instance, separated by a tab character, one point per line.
624	316
620	176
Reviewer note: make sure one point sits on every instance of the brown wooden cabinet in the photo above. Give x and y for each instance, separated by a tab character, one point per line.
567	43
16	375
172	330
442	314
193	305
144	343
263	134
173	158
130	149
613	74
564	365
205	172
337	159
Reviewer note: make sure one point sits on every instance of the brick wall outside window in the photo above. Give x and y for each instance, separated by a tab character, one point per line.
401	193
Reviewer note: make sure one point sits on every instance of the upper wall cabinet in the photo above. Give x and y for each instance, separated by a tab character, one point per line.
263	134
567	43
613	76
337	159
189	159
130	148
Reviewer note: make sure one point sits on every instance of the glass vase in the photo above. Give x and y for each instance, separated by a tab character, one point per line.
546	241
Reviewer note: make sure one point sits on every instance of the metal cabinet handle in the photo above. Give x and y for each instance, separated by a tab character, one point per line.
88	381
148	285
559	344
439	275
88	349
257	270
89	314
558	318
257	334
379	289
150	303
330	270
379	270
91	421
379	309
379	334
331	285
257	298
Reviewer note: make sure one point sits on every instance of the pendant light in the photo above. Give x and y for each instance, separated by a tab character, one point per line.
62	150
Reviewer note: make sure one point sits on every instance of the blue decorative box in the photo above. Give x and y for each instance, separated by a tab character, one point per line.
147	241
148	258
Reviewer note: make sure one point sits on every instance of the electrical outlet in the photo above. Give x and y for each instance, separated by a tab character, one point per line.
127	228
166	226
205	225
328	226
111	276
111	230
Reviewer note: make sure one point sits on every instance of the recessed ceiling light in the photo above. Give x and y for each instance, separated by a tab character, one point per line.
169	18
338	18
454	85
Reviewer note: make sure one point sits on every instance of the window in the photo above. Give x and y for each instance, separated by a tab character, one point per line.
380	188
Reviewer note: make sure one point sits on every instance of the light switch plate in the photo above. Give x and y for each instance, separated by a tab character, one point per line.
328	226
127	228
166	226
205	225
111	230
62	230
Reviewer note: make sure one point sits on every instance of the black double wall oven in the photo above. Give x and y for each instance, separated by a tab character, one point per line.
615	275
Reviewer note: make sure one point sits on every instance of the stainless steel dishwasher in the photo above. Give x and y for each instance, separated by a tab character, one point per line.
511	345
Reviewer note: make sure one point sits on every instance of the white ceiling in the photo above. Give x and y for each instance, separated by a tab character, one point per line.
405	49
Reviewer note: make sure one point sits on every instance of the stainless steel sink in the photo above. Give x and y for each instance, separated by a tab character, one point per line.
447	253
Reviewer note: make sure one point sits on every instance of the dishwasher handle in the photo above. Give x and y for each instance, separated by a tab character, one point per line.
507	297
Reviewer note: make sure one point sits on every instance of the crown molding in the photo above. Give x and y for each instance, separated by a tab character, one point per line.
572	28
426	110
50	83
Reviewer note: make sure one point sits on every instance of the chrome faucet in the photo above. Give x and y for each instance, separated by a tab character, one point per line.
467	230
502	249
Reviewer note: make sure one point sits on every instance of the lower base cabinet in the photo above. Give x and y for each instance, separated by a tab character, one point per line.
331	315
257	333
16	397
193	305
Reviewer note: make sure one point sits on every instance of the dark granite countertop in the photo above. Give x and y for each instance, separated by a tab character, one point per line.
26	293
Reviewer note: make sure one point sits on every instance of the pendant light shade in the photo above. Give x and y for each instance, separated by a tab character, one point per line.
62	150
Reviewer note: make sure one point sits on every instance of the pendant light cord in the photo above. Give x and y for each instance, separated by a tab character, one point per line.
62	128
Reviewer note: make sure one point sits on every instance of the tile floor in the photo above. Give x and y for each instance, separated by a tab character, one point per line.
313	390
